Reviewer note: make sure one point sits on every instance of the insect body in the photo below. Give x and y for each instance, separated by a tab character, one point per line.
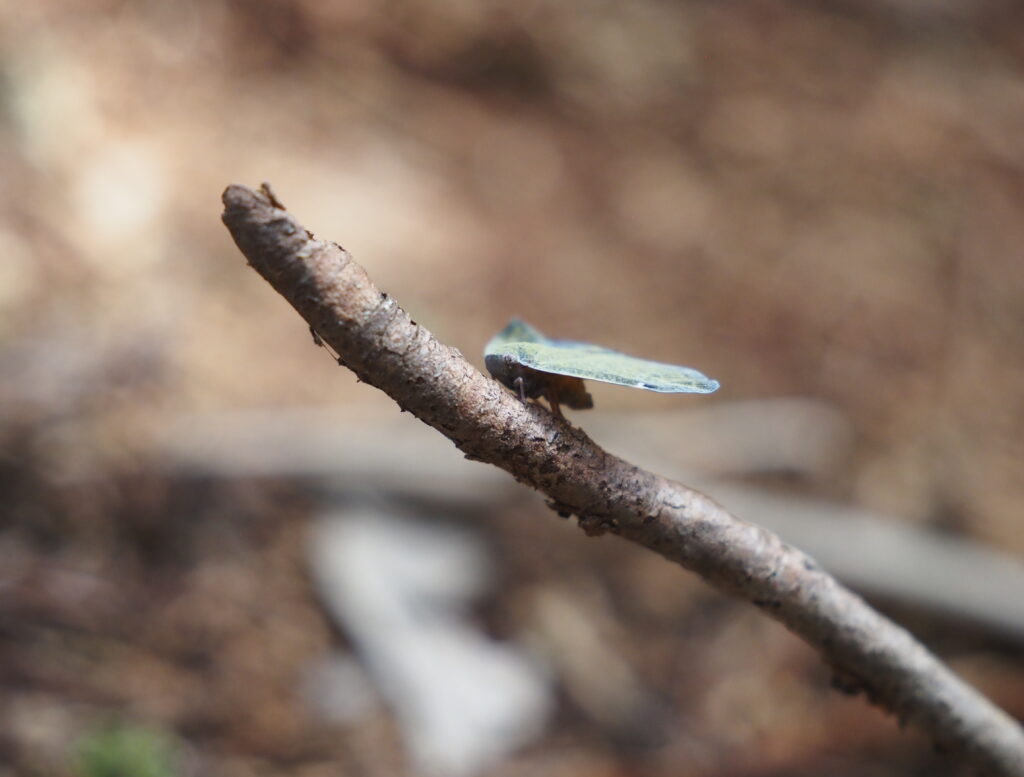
528	362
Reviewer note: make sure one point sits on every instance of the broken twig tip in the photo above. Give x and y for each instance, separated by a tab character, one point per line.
268	192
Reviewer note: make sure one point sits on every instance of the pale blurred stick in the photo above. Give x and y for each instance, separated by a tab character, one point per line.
882	555
377	340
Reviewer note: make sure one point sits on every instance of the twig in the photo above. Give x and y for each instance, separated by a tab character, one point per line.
953	578
377	340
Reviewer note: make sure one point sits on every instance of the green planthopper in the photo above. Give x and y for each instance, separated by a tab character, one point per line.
526	361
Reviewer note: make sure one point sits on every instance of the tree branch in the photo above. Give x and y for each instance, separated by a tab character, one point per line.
378	341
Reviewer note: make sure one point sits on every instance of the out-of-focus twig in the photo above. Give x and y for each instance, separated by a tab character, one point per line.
378	340
944	575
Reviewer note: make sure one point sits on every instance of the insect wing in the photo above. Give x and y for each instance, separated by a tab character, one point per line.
516	331
582	360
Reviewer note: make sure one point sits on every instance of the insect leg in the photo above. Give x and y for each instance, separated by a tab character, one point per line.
518	383
551	395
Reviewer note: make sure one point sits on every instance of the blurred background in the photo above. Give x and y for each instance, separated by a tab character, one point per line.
220	554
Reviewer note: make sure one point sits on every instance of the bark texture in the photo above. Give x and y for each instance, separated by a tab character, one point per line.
377	340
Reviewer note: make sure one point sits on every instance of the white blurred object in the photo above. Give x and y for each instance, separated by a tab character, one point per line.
882	556
877	553
395	454
339	690
400	589
788	435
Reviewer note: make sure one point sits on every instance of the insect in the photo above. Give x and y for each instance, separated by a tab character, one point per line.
526	361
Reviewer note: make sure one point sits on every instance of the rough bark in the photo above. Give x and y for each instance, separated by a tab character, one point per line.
377	340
